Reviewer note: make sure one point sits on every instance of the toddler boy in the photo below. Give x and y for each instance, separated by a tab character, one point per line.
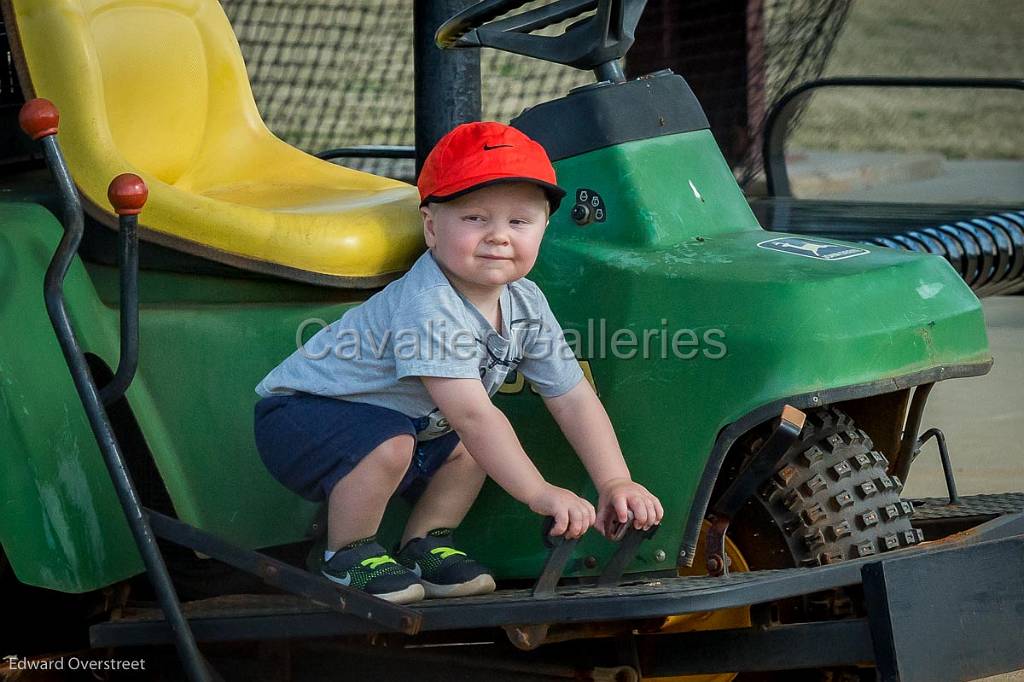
396	393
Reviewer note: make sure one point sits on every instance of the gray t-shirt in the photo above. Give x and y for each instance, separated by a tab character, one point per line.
419	325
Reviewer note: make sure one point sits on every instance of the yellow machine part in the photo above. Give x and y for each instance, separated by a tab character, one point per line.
708	620
159	88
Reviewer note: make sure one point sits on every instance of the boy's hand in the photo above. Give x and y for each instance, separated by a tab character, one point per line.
573	515
618	497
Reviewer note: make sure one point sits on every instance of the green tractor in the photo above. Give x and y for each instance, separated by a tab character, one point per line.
767	387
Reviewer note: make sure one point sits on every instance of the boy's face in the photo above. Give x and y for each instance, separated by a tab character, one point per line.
488	237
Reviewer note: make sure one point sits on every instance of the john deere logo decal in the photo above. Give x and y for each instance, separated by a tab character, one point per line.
812	249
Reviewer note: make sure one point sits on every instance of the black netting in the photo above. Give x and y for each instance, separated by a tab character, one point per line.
10	90
331	73
798	38
327	73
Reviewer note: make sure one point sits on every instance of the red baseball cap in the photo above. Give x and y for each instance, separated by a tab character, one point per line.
476	155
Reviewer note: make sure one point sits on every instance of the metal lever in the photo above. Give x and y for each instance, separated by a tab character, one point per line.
528	637
127	194
561	550
629	539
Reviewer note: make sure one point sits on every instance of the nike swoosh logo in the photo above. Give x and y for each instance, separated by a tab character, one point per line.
416	569
487	148
346	581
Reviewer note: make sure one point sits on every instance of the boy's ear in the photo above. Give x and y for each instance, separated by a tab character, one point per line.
428	226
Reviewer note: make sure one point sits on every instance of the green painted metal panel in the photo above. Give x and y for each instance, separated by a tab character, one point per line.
657	191
61	525
670	257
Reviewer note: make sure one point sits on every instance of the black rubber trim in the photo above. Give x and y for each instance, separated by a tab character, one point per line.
591	117
728	435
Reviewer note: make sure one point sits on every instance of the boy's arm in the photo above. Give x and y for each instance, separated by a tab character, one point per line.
492	442
585	423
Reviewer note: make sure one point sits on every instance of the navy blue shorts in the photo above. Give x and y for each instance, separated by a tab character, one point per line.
309	443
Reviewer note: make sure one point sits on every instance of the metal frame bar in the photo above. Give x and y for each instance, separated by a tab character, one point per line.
561	551
281	575
782	112
900	465
369	151
447	87
756	649
612	572
128	266
292	618
947	466
531	636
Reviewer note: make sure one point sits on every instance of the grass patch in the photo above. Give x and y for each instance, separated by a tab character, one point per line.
984	38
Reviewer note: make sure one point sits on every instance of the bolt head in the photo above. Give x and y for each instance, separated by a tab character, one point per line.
580	214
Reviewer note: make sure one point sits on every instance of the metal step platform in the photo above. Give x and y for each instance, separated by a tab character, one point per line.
253	617
937	518
970	506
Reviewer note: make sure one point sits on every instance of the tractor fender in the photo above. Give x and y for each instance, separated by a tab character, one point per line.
62	526
860	394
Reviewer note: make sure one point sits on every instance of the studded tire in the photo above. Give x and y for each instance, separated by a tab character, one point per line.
831	501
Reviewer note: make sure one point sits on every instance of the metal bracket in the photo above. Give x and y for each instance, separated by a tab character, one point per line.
529	637
947	467
760	467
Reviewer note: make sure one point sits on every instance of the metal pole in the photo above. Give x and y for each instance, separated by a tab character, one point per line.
195	665
447	81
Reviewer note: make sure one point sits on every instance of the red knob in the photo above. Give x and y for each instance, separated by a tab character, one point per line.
127	194
38	118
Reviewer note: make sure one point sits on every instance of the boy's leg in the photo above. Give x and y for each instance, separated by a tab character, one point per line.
357	502
449	495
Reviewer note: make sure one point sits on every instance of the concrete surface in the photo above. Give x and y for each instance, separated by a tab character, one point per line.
970	182
814	173
920	178
982	417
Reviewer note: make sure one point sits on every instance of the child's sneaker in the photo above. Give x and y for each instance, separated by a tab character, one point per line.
444	570
365	565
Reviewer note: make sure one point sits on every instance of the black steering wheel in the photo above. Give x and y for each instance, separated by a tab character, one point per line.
595	42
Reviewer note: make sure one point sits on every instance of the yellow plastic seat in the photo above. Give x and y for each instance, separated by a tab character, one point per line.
159	88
